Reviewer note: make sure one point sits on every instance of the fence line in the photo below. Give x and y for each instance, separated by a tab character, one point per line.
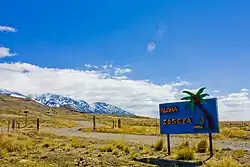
18	123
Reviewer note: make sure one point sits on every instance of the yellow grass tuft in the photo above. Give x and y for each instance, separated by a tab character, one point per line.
185	154
13	142
202	146
183	144
226	161
107	148
77	143
159	145
235	132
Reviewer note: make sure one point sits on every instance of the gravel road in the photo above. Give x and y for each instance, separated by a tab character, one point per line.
138	138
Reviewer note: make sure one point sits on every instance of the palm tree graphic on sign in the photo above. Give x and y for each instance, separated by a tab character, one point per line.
196	100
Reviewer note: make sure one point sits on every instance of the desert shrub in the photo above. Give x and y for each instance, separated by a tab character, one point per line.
239	153
115	151
202	146
66	147
185	154
3	153
235	133
126	150
122	146
159	145
132	156
119	145
107	148
48	143
12	143
182	145
77	143
226	161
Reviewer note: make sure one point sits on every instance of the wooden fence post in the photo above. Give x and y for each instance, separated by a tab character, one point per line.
8	125
94	123
119	123
26	118
13	124
18	125
37	124
113	124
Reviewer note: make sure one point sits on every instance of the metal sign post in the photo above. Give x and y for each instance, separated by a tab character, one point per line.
193	116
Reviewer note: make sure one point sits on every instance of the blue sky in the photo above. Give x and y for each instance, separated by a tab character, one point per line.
203	42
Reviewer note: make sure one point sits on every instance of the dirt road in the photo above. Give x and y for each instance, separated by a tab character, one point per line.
137	138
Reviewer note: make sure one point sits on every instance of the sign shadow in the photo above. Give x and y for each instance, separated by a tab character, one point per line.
168	163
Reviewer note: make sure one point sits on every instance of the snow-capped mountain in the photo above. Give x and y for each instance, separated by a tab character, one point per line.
105	108
54	100
12	94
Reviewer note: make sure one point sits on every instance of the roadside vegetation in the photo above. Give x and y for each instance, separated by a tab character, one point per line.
26	147
31	148
236	131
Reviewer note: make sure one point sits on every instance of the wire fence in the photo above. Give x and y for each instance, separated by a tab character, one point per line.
12	124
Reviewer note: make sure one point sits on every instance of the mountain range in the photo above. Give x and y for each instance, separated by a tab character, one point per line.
54	100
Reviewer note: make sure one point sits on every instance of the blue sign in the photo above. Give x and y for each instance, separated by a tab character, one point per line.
184	117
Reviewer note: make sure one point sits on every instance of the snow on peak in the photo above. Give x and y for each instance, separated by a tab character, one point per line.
54	100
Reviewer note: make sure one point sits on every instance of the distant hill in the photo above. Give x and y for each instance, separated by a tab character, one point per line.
54	100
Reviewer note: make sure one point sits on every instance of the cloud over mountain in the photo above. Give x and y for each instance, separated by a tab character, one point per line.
138	96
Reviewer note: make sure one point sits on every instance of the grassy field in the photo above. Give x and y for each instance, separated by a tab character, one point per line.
34	149
234	130
30	148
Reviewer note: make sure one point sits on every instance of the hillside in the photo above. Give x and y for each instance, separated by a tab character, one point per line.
13	107
55	100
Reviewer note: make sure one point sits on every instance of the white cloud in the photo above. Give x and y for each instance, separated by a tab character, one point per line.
7	29
181	83
123	70
151	46
89	66
235	106
107	66
109	71
137	96
5	52
244	90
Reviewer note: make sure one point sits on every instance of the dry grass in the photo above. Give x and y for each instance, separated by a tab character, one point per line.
227	161
41	149
202	146
30	148
15	143
184	151
185	154
235	132
159	145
